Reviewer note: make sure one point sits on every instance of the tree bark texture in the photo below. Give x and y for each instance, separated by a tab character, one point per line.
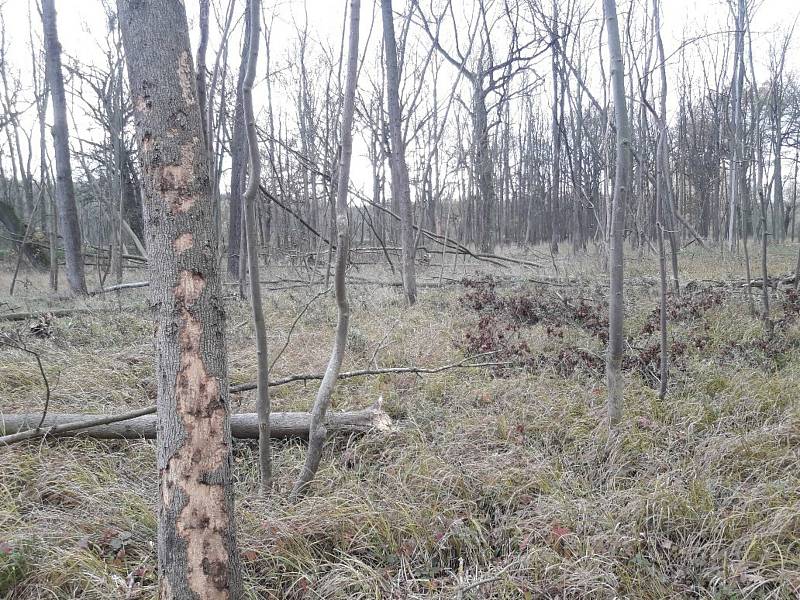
196	533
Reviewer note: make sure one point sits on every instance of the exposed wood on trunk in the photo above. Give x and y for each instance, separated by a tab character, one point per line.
197	552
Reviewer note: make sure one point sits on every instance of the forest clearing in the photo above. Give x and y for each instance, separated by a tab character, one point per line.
492	299
504	475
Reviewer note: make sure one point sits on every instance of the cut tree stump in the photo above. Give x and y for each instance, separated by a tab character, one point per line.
243	425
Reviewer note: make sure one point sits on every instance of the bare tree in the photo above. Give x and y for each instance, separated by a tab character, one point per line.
492	74
317	431
616	302
251	192
397	158
662	178
196	532
736	99
236	254
65	191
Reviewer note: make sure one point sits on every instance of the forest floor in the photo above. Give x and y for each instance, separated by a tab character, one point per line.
494	483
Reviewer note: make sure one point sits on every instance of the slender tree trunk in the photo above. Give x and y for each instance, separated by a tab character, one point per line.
200	76
736	143
397	158
558	99
65	191
197	552
262	400
238	158
317	431
483	163
662	177
616	253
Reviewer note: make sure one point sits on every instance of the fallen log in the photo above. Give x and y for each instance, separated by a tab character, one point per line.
56	312
121	286
60	312
143	424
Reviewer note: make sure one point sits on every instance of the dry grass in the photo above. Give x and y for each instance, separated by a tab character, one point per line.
513	482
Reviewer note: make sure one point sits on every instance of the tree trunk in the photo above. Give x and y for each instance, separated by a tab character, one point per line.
483	163
555	165
65	191
197	551
317	430
662	179
616	252
736	142
262	393
397	158
238	158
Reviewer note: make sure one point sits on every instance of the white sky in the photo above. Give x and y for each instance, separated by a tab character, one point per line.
82	29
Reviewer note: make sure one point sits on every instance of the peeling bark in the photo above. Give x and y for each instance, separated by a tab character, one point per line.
196	534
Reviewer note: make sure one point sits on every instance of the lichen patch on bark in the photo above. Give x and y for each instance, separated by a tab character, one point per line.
203	521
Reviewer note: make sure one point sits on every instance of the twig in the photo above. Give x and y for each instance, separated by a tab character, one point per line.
83	424
235	389
480	582
20	345
294	324
380	346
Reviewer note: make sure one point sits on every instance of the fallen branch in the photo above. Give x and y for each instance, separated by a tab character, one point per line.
365	372
23	427
264	191
142	423
59	312
122	286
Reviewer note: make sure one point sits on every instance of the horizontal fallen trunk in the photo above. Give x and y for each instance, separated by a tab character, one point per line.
62	312
244	425
122	286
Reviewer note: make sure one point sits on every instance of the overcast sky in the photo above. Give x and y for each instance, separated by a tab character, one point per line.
82	29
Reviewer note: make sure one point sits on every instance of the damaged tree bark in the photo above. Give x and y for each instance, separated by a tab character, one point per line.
197	552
